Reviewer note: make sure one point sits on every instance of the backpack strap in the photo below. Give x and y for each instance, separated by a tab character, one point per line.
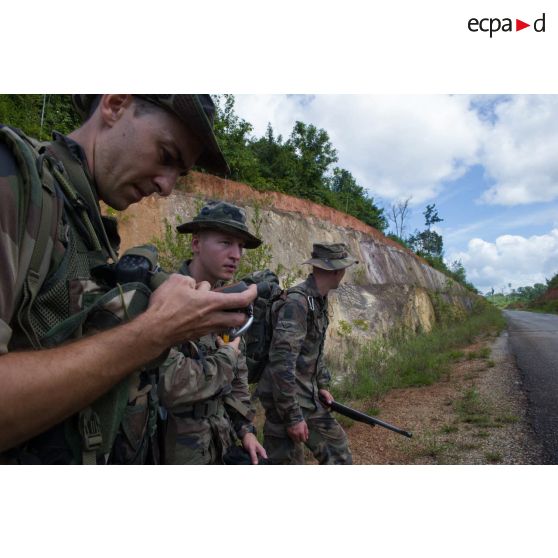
81	197
309	299
35	250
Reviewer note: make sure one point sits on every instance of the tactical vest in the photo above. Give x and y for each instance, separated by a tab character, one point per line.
62	239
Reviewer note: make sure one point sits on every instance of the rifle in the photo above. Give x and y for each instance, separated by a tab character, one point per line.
362	417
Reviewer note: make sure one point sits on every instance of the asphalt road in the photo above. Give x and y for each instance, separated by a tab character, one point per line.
534	342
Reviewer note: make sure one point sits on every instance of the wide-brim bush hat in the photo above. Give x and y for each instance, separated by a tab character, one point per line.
222	216
331	257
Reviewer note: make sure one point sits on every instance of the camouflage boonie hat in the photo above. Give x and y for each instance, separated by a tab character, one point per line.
196	111
221	216
331	257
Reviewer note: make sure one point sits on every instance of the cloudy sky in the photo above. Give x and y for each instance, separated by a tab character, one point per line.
489	163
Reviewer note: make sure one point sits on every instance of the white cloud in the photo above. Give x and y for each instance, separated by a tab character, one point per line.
395	146
414	145
510	259
520	151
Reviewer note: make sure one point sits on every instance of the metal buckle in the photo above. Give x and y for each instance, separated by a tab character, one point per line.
90	430
311	303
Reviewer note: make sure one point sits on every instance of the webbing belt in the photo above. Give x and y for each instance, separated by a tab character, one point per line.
203	409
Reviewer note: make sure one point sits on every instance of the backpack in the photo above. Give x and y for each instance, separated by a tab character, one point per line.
94	431
38	209
258	337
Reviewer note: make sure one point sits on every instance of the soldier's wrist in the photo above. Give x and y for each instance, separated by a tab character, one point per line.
247	429
294	418
233	352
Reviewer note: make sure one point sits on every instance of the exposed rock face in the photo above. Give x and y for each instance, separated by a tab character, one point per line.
389	287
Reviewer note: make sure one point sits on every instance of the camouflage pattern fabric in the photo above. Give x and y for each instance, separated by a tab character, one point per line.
222	216
10	215
66	293
288	388
19	219
331	256
202	387
327	440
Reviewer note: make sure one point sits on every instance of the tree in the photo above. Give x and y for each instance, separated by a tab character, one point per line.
276	162
428	243
398	215
233	134
431	216
353	199
39	115
314	154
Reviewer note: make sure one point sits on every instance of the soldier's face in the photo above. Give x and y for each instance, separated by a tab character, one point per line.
338	277
218	254
139	155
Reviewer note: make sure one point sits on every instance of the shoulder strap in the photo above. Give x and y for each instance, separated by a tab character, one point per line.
35	240
76	186
309	299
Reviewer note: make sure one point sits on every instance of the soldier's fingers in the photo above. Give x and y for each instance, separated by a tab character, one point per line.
203	286
223	320
253	455
261	451
223	301
213	323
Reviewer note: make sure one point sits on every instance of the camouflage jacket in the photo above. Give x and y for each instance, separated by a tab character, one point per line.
68	290
296	371
202	371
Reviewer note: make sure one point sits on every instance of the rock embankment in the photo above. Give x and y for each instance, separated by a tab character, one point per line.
389	287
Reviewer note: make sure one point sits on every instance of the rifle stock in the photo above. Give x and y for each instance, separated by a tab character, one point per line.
367	419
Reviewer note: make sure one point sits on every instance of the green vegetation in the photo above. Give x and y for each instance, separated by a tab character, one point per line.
288	277
259	258
536	298
345	328
302	165
173	247
493	457
472	410
449	429
39	115
403	359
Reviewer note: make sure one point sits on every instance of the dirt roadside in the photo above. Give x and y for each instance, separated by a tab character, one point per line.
476	414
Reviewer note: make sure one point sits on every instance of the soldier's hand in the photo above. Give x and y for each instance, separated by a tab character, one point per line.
235	343
253	447
180	310
325	397
298	432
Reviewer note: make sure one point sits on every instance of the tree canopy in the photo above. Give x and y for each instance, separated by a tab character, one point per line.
301	165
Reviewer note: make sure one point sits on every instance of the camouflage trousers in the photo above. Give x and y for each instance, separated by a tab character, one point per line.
191	440
327	440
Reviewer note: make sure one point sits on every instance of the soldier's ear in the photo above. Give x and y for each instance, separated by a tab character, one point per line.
195	243
112	107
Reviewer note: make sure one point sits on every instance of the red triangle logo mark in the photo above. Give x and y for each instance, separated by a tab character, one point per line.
519	25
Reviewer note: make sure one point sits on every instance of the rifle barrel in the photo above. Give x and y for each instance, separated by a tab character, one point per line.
362	417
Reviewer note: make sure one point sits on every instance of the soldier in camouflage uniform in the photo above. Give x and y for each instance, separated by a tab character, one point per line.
295	378
74	403
204	386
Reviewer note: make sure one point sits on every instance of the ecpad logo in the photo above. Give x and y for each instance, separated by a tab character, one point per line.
493	25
